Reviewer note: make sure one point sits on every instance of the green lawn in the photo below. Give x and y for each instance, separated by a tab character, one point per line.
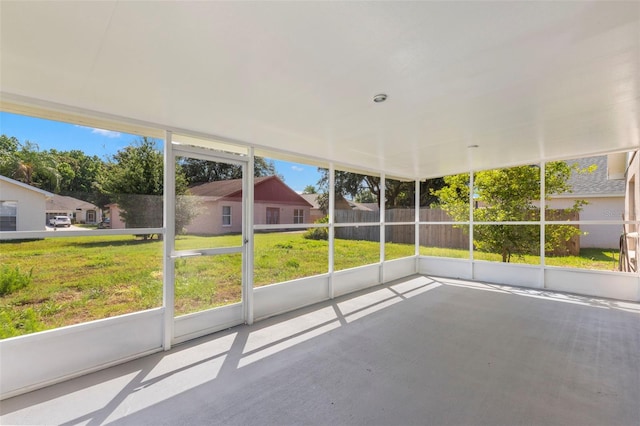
590	258
78	279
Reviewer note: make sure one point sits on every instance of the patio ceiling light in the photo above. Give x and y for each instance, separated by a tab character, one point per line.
380	98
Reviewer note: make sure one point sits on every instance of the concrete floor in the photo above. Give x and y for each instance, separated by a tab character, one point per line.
420	351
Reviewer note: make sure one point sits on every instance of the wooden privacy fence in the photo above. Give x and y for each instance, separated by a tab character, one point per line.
443	236
446	236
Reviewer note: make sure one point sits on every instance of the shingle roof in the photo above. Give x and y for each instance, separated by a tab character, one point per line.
66	203
311	199
596	182
221	188
341	203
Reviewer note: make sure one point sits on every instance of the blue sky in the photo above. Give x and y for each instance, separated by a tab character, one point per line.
104	143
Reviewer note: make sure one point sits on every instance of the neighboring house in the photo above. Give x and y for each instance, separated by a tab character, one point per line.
632	193
342	204
626	165
369	207
114	217
79	211
219	206
315	213
605	197
22	206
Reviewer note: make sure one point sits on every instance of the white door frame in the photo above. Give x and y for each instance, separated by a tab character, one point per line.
238	316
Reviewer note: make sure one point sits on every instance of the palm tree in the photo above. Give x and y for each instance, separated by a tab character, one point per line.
31	166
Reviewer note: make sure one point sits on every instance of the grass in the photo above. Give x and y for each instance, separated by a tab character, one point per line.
590	258
78	279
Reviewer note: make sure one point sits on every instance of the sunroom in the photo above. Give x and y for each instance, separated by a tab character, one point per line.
441	143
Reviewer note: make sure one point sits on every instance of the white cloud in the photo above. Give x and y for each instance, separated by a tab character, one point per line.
102	132
106	133
297	168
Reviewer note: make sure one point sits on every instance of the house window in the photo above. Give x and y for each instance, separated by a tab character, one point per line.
8	214
273	215
226	215
298	216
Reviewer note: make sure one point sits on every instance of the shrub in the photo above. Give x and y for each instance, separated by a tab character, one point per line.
15	323
318	233
12	280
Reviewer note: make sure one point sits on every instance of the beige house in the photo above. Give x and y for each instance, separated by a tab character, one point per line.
22	206
79	211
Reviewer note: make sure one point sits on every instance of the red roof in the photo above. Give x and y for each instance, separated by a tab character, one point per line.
266	189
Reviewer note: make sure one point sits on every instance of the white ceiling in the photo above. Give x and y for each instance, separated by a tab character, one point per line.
523	80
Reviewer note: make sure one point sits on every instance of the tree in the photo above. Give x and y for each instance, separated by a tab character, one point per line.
203	171
134	180
79	173
26	163
366	196
309	189
350	184
427	188
8	144
503	195
366	189
8	154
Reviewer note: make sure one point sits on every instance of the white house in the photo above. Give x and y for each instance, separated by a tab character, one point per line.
22	207
626	165
605	198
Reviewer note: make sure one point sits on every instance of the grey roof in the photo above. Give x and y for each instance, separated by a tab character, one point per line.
312	199
61	203
341	203
596	182
371	207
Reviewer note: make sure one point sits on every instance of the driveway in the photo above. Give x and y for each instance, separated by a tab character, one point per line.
71	228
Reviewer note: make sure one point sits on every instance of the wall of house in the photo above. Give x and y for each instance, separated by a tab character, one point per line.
81	216
599	208
114	214
31	206
632	196
274	194
286	213
315	214
632	192
209	221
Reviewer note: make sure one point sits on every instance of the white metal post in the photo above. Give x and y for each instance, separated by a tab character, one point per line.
471	193
417	225
332	206
543	218
248	237
383	201
169	206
